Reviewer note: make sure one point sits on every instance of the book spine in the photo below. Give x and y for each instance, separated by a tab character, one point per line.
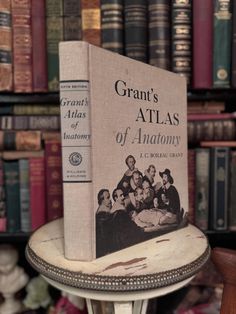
159	33
22	45
39	55
135	25
35	109
191	185
54	30
76	150
91	21
53	169
37	192
233	67
232	189
219	187
6	80
20	140
181	38
202	43
72	20
11	178
202	188
3	215
24	195
222	43
112	24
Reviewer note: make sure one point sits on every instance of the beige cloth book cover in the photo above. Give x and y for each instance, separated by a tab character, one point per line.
124	149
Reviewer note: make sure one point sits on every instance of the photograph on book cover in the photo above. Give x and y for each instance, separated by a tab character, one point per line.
124	148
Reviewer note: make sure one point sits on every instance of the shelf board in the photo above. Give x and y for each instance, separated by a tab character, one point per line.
226	94
14	237
28	98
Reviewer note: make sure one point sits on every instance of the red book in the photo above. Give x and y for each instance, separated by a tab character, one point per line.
53	168
211	116
22	45
202	43
39	56
37	192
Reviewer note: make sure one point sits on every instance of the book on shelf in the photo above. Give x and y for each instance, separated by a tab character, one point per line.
112	25
232	194
72	20
34	109
219	187
30	122
6	70
204	107
143	127
218	143
191	184
20	140
233	64
24	190
3	214
222	35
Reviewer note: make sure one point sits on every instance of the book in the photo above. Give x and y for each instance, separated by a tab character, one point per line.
222	34
219	187
53	171
206	107
37	192
24	195
135	29
232	194
202	43
6	72
233	49
72	20
12	188
112	25
191	184
22	46
39	51
3	214
202	193
91	21
30	122
218	143
34	109
143	128
159	33
13	155
20	140
181	29
54	32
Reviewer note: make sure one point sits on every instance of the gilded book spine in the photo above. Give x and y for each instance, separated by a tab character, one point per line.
22	45
135	23
222	43
159	33
76	147
112	25
91	21
181	41
6	82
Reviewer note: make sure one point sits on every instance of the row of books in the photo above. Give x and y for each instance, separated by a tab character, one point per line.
212	179
192	38
30	188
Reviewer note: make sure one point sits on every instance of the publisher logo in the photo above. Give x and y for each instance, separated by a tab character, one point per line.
75	159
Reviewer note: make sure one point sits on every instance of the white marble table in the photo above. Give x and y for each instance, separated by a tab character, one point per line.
128	277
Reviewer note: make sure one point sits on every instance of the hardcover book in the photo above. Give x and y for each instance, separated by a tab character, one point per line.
124	150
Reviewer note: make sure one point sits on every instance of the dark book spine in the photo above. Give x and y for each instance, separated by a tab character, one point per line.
6	71
202	188
39	55
22	45
233	68
91	21
159	33
135	24
202	43
72	20
11	178
222	43
112	24
3	214
53	170
219	187
24	195
181	38
54	29
191	185
20	140
232	189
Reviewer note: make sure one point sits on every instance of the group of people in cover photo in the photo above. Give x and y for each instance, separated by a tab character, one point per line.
141	209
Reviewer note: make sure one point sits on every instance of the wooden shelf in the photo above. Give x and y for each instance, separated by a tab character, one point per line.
7	237
226	94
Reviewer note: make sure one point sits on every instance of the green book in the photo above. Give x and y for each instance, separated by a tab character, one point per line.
54	11
222	43
11	173
24	195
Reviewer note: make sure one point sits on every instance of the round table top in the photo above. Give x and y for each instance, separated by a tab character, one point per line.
157	263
